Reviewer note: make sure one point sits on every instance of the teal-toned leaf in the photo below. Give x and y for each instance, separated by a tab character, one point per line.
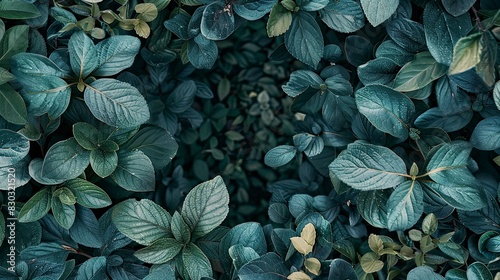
160	251
12	106
372	206
405	206
18	9
279	20
36	207
419	73
304	28
217	23
457	7
387	109
180	229
13	147
466	54
116	103
343	16
178	24
455	274
63	213
242	255
86	135
448	121
455	251
341	270
82	54
484	219
85	230
142	221
65	160
279	156
88	194
423	272
486	134
389	49
14	41
378	11
94	268
202	53
300	81
5	76
206	206
103	163
116	54
442	31
154	142
407	33
496	94
453	154
182	97
466	196
369	167
311	5
268	267
478	271
134	172
195	262
253	9
379	71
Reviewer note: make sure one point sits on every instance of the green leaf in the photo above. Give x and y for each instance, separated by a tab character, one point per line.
388	110
378	11
5	76
253	9
300	81
216	22
180	229
116	54
116	103
147	11
134	172
206	206
341	270
65	160
343	16
14	41
379	71
496	95
182	97
154	142
369	167
160	251
465	196
36	207
279	20
419	72
18	9
268	267
12	106
466	54
195	262
486	134
65	195
449	155
279	156
86	135
82	54
63	213
457	7
423	272
478	271
202	53
103	163
88	194
13	147
442	31
405	206
372	205
142	221
370	262
304	28
242	255
94	268
455	251
486	66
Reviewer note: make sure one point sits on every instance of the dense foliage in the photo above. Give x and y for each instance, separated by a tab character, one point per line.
250	139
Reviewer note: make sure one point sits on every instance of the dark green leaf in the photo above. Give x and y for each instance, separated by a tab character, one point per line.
14	41
18	9
343	16
86	135
466	53
82	54
405	206
217	23
63	213
341	270
486	134
279	20
280	155
36	207
267	267
160	251
369	167
387	109
180	229
304	28
116	103
379	71
253	9
407	34
13	147
103	163
300	81
65	160
202	53
457	7
94	268
419	73
195	262
478	271
206	206
88	194
12	107
134	172
486	66
372	206
142	221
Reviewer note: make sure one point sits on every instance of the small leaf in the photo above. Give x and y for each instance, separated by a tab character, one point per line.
419	73
103	163
88	194
279	20
36	207
301	245
370	262
298	275
423	272
216	22
309	234
405	206
279	156
116	54
82	54
486	134
160	251
466	54
65	160
134	172
94	268
313	265
378	11
12	106
196	262
86	135
304	28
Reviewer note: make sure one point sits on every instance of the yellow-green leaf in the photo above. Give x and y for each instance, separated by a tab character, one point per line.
370	262
298	275
301	245
313	265
309	234
466	54
279	20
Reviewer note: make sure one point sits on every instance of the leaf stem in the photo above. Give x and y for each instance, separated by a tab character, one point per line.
478	20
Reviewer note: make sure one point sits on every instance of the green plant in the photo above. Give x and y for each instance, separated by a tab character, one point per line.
379	123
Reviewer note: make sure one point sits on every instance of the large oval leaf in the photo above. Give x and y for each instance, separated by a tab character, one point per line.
369	167
206	206
405	206
304	39
387	109
65	160
13	147
116	103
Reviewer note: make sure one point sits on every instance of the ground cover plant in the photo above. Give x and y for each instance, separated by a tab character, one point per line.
249	139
